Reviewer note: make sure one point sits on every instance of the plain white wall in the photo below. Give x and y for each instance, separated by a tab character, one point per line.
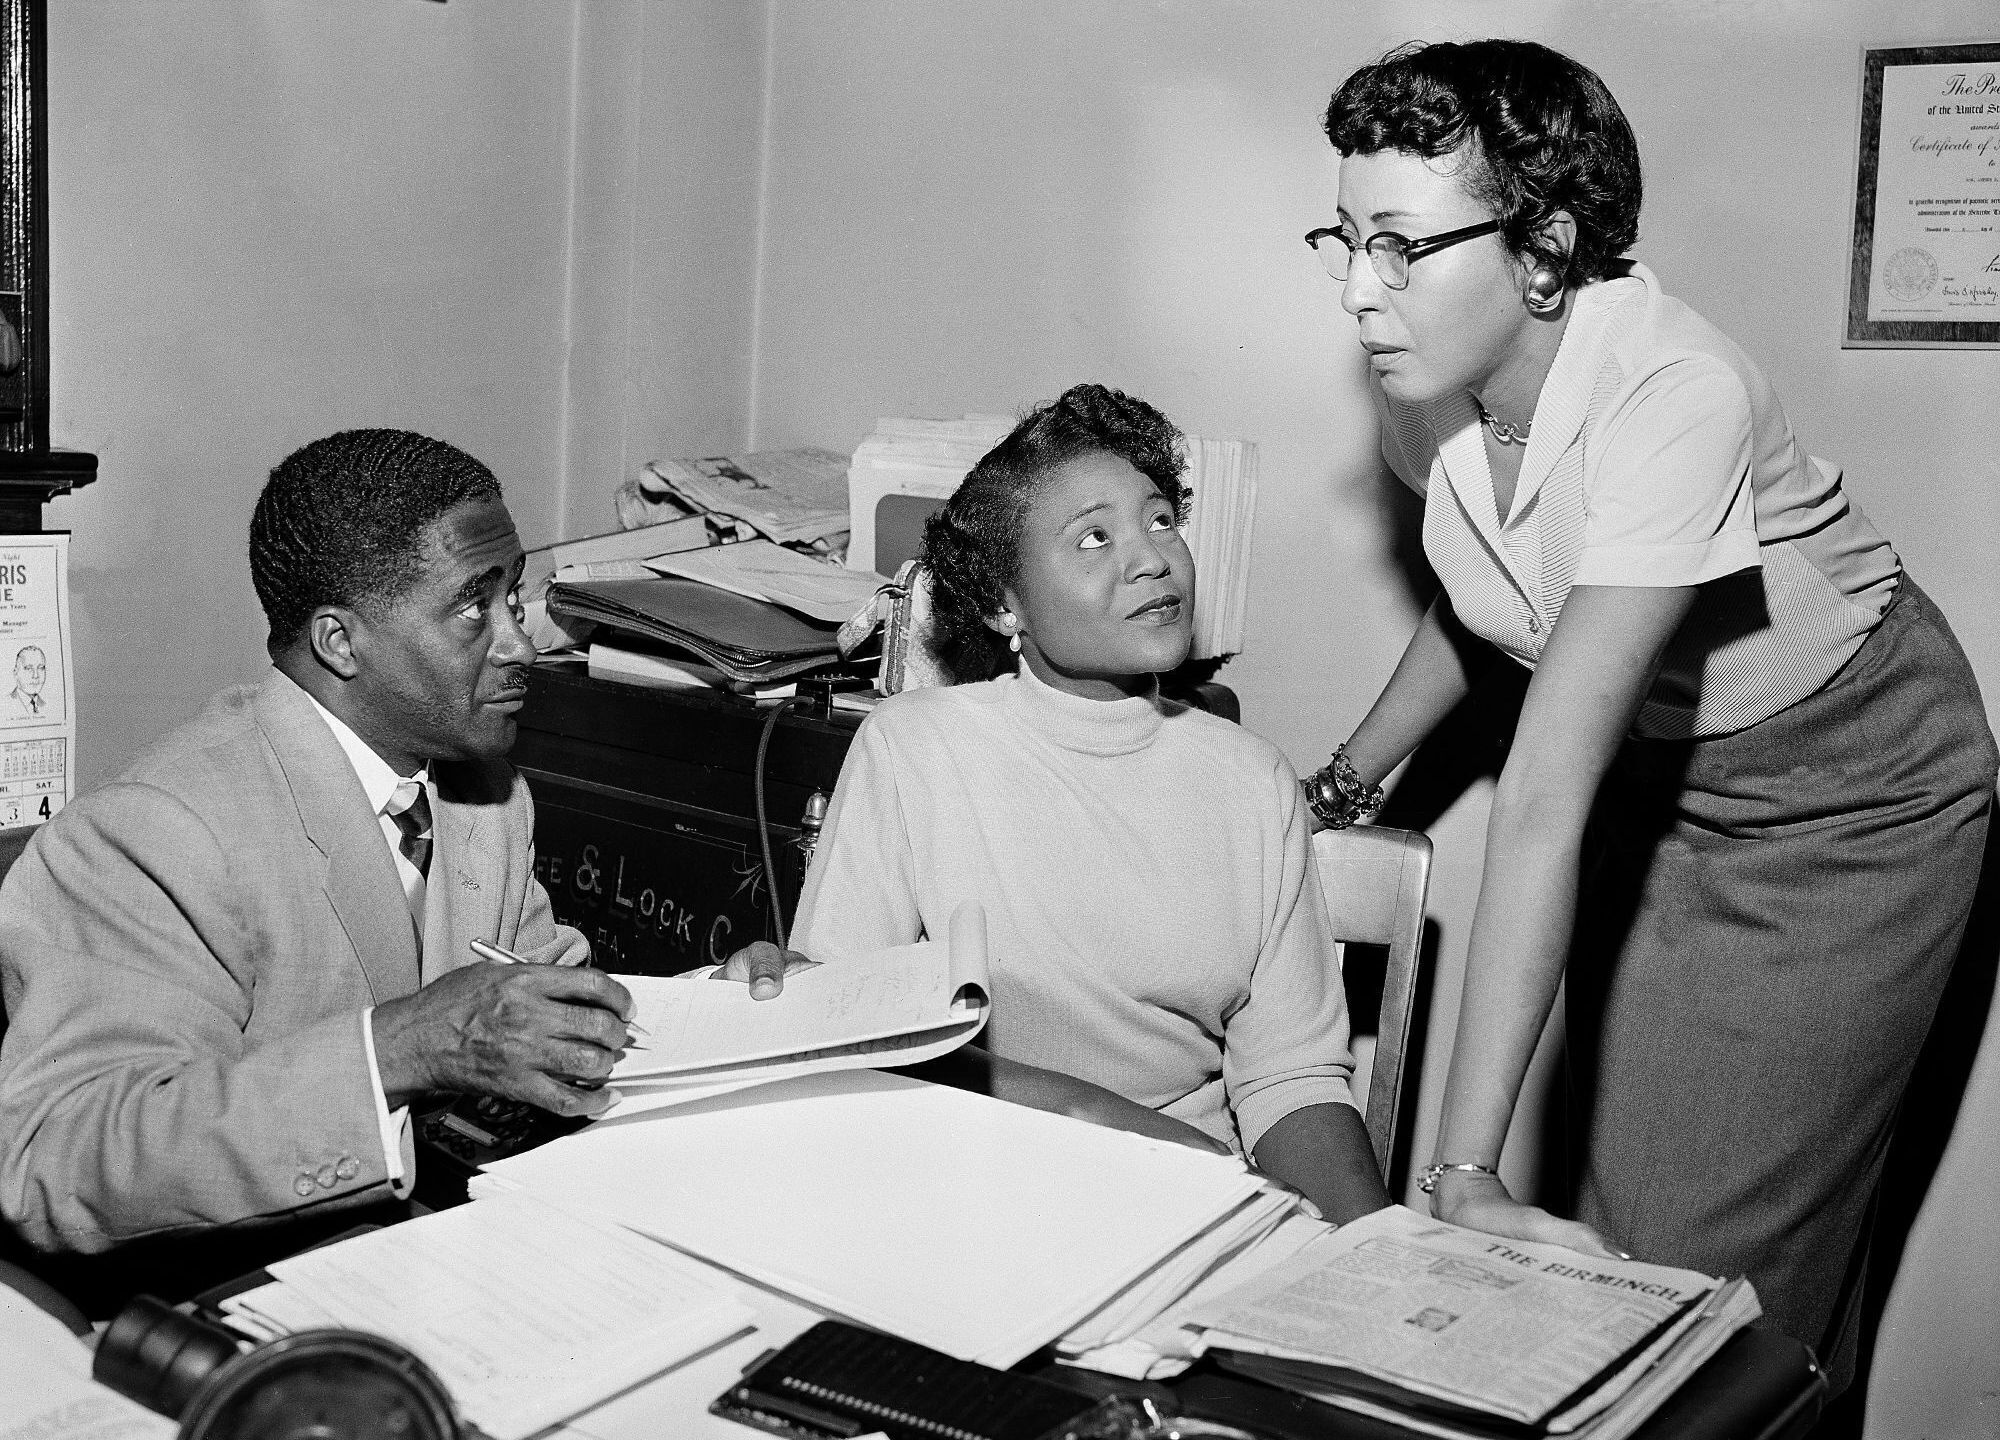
270	220
972	206
670	103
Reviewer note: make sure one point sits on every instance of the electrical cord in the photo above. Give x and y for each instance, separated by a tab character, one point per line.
763	822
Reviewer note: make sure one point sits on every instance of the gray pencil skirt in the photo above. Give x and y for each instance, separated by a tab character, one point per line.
1765	925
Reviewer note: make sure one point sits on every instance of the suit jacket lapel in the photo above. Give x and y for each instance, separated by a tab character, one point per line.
361	881
458	862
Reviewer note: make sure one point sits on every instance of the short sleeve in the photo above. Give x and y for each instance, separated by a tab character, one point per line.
1668	496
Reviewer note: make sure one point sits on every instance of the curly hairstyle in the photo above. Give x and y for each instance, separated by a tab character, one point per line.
1544	135
344	521
972	547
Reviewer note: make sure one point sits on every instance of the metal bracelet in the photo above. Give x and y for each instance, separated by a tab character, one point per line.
1436	1173
1337	796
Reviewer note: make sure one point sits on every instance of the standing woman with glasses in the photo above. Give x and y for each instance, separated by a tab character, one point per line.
1747	796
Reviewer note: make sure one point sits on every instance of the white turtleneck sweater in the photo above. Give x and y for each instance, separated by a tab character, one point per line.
1154	921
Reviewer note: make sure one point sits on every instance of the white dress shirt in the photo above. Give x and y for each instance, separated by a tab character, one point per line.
379	782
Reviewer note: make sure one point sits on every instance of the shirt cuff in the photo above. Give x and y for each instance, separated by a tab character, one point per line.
391	1125
1665	566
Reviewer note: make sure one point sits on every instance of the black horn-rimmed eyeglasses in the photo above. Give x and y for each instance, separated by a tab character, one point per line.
1388	252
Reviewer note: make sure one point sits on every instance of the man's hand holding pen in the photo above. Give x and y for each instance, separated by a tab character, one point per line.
547	1034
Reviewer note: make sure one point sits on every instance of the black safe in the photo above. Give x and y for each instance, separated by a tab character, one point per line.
646	833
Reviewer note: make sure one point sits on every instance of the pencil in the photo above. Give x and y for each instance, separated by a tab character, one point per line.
503	956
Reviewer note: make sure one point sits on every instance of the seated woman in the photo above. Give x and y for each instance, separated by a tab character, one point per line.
1160	953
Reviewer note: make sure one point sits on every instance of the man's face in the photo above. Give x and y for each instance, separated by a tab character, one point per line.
31	670
443	667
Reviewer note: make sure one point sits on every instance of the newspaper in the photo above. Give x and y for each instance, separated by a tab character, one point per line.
791	496
38	712
1507	1328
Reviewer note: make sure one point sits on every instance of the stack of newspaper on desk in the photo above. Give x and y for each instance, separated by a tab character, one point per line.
1459	1335
791	496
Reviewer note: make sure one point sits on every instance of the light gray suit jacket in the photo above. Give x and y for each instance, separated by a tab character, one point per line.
185	955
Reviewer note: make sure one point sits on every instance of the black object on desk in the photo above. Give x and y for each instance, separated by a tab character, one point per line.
645	813
839	1380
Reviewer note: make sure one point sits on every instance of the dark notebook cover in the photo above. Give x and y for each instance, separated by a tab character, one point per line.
747	639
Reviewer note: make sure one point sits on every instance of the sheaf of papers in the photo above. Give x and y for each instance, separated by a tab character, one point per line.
46	1392
1222	510
1505	1328
977	1227
895	1007
1143	1334
528	1313
765	571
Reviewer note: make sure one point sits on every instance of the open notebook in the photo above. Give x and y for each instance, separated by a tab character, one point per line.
895	1007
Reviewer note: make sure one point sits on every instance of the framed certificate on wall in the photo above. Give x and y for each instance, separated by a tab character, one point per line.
1925	264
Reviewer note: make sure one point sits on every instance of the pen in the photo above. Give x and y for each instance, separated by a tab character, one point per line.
499	955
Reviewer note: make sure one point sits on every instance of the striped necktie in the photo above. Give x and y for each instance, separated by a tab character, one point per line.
410	808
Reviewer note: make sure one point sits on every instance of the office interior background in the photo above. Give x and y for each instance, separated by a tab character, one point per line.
575	235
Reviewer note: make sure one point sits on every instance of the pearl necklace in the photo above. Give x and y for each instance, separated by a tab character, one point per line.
1503	432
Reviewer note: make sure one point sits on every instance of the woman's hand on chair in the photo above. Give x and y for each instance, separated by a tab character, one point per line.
1481	1202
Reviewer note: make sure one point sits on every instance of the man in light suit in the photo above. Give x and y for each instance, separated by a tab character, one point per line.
228	971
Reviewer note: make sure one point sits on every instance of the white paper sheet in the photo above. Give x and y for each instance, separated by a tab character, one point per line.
529	1314
46	1392
895	1202
766	571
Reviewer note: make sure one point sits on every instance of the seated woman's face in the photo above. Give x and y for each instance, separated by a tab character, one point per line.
1105	594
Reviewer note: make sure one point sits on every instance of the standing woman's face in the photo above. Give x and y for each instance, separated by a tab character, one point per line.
1459	322
1105	595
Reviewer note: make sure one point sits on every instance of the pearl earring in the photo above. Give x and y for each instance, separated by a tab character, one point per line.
1014	642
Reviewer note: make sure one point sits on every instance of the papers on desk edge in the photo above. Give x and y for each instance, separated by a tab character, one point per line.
1457	1334
898	1006
46	1389
529	1313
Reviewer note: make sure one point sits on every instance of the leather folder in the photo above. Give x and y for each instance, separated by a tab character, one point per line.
745	639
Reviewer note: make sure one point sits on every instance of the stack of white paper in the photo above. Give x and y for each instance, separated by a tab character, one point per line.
977	1227
528	1313
1222	474
925	458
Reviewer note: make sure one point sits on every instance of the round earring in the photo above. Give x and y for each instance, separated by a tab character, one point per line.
1014	642
1543	294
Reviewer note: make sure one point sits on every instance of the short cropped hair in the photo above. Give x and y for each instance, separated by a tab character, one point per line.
345	521
972	547
1544	134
